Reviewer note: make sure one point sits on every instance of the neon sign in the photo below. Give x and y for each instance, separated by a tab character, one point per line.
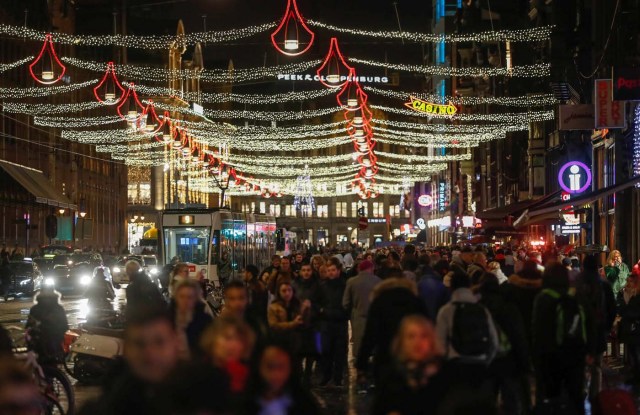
431	108
578	178
425	200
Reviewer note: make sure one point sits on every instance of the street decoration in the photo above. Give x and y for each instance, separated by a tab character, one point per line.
431	108
109	91
574	177
46	68
334	71
425	200
287	37
130	107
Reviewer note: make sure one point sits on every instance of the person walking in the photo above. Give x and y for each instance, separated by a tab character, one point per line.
258	293
521	289
141	292
306	288
190	317
357	299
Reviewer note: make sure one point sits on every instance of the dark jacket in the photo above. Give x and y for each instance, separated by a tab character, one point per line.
509	322
522	292
393	299
141	292
630	313
396	395
199	322
330	301
597	295
307	289
433	293
47	324
259	296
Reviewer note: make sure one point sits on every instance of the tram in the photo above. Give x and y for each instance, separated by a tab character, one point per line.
216	243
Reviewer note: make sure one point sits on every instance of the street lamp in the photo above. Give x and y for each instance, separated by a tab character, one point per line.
224	178
61	211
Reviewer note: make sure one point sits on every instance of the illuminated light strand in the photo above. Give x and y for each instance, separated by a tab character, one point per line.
37	92
70	122
523	71
282	171
36	109
288	161
253	115
151	73
508	118
418	168
523	35
248	144
249	99
426	159
7	66
381	138
105	136
532	100
139	42
451	128
120	148
437	137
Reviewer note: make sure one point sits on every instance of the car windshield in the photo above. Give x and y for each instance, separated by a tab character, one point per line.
150	261
20	268
81	258
61	260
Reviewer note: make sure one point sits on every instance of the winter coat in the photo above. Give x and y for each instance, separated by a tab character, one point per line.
307	289
410	392
630	313
142	293
198	324
500	276
444	327
259	299
330	297
433	293
393	299
47	324
522	292
356	301
597	295
617	276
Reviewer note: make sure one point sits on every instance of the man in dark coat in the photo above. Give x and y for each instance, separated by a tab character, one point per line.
333	320
47	324
393	299
521	289
141	292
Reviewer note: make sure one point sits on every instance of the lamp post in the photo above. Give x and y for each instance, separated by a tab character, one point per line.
224	179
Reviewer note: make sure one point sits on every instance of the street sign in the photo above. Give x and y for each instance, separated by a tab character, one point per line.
363	223
609	113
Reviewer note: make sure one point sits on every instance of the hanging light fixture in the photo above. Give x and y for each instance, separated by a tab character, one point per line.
334	71
109	91
351	97
151	121
286	38
130	107
195	155
51	69
167	133
177	139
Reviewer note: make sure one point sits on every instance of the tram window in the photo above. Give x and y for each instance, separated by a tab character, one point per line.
188	244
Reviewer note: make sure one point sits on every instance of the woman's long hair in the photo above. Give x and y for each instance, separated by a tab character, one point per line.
418	320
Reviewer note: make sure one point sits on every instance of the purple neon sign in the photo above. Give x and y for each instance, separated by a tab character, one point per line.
575	177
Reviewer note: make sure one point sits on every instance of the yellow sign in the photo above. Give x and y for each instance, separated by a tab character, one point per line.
431	108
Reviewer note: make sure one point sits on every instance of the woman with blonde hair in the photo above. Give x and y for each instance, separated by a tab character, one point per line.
413	383
616	271
316	262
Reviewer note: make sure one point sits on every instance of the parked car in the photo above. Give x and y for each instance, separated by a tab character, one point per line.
25	279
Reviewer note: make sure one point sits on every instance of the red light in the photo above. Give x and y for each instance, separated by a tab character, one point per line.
48	73
111	86
335	66
351	97
129	103
289	31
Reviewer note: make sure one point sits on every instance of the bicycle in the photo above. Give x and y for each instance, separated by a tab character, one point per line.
55	387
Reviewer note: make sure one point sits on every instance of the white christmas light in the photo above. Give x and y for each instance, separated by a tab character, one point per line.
43	91
35	109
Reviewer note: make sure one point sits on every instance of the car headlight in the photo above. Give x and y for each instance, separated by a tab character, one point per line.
85	280
25	282
116	269
153	271
69	262
49	282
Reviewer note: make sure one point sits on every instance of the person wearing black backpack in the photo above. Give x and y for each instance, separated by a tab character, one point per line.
562	344
470	342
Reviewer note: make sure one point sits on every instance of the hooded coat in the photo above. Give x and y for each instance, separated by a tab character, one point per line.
522	293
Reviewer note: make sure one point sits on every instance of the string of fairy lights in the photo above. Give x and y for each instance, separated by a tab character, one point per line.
152	133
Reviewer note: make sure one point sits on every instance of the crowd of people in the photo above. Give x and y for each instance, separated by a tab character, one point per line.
431	331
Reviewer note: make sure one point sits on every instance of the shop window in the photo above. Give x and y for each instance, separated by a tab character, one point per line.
342	210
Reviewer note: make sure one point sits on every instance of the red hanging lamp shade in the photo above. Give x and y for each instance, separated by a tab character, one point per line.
152	124
47	64
352	97
361	117
292	37
109	91
130	108
334	71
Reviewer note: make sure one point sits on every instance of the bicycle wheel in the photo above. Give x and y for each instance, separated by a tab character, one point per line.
53	407
59	386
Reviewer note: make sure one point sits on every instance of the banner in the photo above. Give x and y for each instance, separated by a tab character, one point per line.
430	108
576	117
609	113
626	84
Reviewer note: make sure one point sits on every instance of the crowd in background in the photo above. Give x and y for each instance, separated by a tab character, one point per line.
431	331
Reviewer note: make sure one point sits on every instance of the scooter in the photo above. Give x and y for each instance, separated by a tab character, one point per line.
95	349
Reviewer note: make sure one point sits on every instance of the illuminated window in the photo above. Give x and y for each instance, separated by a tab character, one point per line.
274	210
322	211
357	205
341	210
378	209
394	211
263	207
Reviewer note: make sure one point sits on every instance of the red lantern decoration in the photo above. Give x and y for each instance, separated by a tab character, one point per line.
107	89
334	71
48	60
286	38
129	105
152	124
351	97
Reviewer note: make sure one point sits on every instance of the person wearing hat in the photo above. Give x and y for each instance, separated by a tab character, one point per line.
356	301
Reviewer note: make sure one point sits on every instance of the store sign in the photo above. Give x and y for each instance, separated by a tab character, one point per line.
626	84
425	200
431	108
609	113
466	221
574	177
197	108
316	78
570	229
442	195
377	220
421	224
186	219
576	117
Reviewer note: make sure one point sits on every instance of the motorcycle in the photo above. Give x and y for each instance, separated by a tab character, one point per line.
98	344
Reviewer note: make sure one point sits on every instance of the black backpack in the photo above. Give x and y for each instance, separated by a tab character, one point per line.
571	329
470	334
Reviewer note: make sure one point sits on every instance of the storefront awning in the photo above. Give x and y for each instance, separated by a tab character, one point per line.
584	199
37	184
515	209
